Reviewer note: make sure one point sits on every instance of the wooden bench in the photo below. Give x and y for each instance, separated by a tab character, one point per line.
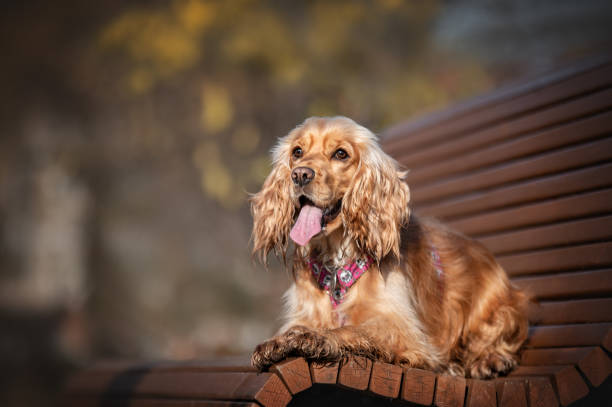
527	170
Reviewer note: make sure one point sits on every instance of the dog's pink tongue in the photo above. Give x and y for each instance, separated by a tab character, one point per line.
307	225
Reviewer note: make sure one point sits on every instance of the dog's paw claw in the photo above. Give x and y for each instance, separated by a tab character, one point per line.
491	366
266	354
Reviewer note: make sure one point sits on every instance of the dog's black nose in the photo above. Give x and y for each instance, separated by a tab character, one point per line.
302	175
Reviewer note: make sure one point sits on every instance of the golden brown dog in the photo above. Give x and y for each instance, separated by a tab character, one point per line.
369	278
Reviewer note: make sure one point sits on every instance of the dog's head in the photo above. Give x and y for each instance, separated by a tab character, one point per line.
330	173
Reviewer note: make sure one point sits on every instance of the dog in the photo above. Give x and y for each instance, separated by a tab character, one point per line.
370	278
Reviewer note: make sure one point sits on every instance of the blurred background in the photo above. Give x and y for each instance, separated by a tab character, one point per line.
132	132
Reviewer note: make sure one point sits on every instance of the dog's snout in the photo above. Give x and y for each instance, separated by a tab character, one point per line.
302	175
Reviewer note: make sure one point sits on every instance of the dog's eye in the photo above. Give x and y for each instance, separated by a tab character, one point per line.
297	152
340	154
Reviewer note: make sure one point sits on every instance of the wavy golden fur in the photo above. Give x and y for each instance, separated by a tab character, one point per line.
469	321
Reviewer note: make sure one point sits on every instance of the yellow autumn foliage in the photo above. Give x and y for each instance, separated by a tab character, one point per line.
254	64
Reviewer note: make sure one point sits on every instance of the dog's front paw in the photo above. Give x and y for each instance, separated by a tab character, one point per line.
492	365
313	345
297	341
268	353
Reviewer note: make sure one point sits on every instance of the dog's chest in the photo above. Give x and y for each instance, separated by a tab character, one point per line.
340	318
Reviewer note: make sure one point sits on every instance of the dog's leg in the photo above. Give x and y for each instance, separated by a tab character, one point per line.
324	346
385	342
374	341
361	341
492	343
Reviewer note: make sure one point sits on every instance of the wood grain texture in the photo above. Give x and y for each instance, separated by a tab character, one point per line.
568	382
481	393
596	366
567	335
540	392
570	385
450	391
511	393
324	374
385	379
593	283
418	386
355	373
268	391
295	374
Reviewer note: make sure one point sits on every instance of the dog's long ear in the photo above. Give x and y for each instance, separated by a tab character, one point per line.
272	208
376	205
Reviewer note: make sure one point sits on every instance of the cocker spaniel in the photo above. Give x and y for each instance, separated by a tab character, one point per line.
370	278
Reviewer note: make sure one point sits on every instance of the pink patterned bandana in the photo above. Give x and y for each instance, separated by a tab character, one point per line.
336	283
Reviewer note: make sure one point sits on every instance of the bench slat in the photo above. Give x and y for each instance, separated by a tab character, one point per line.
419	386
568	285
385	380
539	370
554	356
596	366
324	374
413	137
511	392
266	388
592	255
481	393
558	234
571	311
225	364
606	343
355	373
119	402
573	181
541	393
295	373
450	391
562	113
569	383
528	168
557	137
564	336
548	211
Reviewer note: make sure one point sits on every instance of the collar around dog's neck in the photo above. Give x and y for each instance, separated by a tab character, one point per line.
337	282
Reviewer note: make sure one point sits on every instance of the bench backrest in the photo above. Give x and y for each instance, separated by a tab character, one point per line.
528	172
